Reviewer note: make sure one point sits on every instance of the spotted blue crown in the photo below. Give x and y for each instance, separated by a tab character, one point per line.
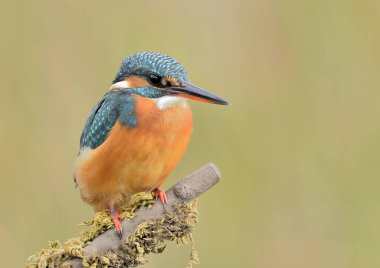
146	63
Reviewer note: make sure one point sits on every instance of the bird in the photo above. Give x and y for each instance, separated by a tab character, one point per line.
137	133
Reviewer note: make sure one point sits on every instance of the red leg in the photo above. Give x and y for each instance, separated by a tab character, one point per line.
159	193
116	219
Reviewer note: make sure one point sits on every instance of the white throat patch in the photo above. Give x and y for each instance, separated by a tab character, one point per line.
169	101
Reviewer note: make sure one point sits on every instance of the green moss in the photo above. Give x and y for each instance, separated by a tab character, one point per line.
149	237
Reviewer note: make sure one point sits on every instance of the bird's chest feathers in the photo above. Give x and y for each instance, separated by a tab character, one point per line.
150	150
163	116
163	125
138	158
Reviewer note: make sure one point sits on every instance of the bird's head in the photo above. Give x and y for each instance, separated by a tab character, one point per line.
155	75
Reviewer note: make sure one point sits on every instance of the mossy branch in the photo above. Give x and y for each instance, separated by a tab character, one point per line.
181	193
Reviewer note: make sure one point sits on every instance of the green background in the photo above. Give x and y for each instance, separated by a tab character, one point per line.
298	147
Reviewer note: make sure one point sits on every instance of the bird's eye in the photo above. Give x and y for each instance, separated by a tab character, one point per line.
156	80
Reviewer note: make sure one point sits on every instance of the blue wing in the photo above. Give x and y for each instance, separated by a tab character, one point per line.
115	105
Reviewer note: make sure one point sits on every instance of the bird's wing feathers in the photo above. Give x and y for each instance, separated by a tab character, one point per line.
100	121
113	106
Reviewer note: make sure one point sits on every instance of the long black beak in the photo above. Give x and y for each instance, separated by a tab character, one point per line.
191	91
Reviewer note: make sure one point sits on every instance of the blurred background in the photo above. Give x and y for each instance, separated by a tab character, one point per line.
298	147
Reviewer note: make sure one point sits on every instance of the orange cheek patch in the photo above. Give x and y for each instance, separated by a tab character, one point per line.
172	81
136	81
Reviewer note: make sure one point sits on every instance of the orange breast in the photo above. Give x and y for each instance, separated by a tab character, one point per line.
135	159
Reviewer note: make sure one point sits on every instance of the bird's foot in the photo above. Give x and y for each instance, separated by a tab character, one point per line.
118	227
159	193
116	220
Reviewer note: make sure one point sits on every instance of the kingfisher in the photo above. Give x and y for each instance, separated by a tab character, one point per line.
137	133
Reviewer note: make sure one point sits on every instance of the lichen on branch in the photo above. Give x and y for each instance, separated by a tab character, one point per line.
147	226
149	237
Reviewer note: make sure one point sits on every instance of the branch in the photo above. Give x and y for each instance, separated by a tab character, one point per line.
183	192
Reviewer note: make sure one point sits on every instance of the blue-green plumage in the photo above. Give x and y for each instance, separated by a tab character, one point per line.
115	105
147	92
145	63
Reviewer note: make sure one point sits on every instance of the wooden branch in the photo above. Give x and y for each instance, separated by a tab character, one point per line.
183	192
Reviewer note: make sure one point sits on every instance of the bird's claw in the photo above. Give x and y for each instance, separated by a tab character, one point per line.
159	193
119	229
118	226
